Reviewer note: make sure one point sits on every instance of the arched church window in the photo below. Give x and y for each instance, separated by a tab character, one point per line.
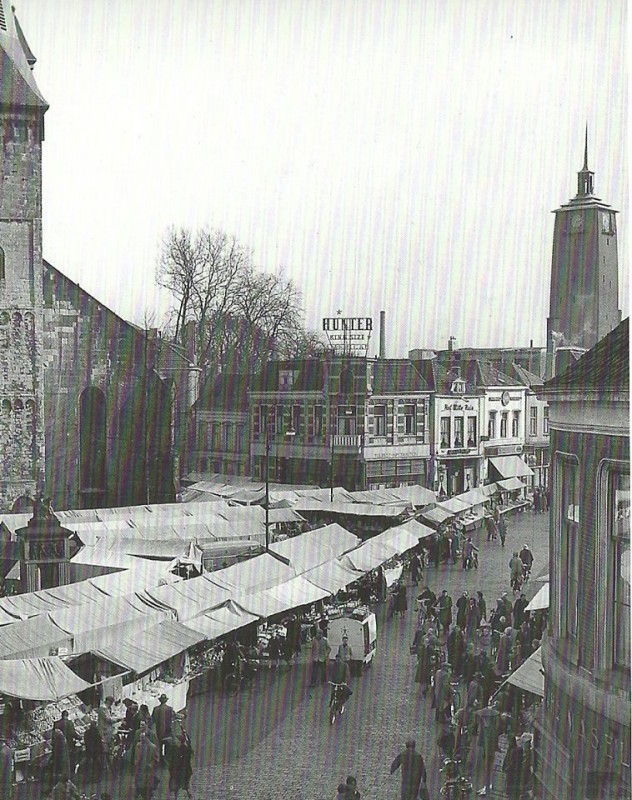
19	406
6	408
5	318
93	444
17	320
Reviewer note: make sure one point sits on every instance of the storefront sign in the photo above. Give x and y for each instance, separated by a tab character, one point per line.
465	406
602	744
348	335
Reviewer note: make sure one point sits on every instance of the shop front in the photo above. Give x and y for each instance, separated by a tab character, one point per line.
456	474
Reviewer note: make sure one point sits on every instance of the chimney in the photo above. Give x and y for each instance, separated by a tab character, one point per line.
451	343
382	334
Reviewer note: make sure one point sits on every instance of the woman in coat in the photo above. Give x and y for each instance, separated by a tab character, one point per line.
423	674
59	757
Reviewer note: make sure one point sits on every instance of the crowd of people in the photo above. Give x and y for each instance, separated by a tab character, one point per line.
146	741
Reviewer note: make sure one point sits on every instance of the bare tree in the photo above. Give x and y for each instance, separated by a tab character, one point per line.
243	317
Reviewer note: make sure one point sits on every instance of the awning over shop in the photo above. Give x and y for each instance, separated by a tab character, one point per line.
277	515
437	515
43	679
541	599
90	624
340	494
400	538
489	489
187	598
473	497
259	572
510	466
369	556
454	505
150	647
529	676
332	576
316	546
229	617
32	638
511	484
418	529
351	509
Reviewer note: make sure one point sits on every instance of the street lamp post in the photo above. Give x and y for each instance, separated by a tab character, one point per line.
331	469
289	433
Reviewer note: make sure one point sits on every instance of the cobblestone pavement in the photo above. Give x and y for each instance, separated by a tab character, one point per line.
274	742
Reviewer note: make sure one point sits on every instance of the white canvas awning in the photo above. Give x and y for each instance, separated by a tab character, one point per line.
511	484
315	547
541	599
43	679
511	466
369	556
332	576
454	505
418	529
529	676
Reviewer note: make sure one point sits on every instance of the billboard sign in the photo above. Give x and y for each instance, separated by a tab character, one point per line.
348	335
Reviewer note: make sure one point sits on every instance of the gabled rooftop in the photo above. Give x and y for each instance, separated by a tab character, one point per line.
603	369
397	376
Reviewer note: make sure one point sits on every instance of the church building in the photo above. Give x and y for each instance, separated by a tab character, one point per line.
86	399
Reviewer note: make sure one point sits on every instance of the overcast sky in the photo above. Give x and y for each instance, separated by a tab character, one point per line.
389	155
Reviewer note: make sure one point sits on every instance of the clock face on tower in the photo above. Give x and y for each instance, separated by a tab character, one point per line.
577	222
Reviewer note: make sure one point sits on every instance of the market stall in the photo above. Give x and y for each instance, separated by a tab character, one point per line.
540	600
316	546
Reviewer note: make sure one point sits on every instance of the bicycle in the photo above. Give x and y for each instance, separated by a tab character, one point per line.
241	677
338	701
456	785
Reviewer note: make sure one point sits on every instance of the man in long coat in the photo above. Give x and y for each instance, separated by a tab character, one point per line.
413	770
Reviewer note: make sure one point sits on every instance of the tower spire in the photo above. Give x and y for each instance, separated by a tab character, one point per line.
586	150
585	178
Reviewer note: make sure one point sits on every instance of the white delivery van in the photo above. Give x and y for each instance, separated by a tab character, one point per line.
361	629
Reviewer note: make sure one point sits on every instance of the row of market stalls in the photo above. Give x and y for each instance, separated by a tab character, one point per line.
63	648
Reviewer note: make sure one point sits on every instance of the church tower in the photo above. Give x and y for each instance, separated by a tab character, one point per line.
22	110
584	300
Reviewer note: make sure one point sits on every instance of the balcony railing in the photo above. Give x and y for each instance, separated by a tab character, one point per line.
345	440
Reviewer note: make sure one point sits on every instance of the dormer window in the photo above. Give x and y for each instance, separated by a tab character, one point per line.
286	379
458	386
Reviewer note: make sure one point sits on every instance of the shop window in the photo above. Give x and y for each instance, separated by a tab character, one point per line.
545	420
410	426
471	431
263	420
503	425
379	417
278	427
491	427
515	424
620	527
422	421
445	431
533	421
458	431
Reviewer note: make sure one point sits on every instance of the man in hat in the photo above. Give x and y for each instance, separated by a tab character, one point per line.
413	771
163	717
320	654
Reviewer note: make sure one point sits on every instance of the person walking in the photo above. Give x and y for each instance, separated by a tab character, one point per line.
415	569
413	769
6	771
482	607
59	757
320	654
519	608
461	610
145	766
423	673
105	721
526	556
180	758
67	727
502	530
516	572
444	605
490	723
163	717
345	651
443	692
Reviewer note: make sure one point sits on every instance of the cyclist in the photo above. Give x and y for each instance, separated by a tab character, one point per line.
340	678
526	556
515	567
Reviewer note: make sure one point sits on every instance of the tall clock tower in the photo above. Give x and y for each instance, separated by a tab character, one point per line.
22	110
584	300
